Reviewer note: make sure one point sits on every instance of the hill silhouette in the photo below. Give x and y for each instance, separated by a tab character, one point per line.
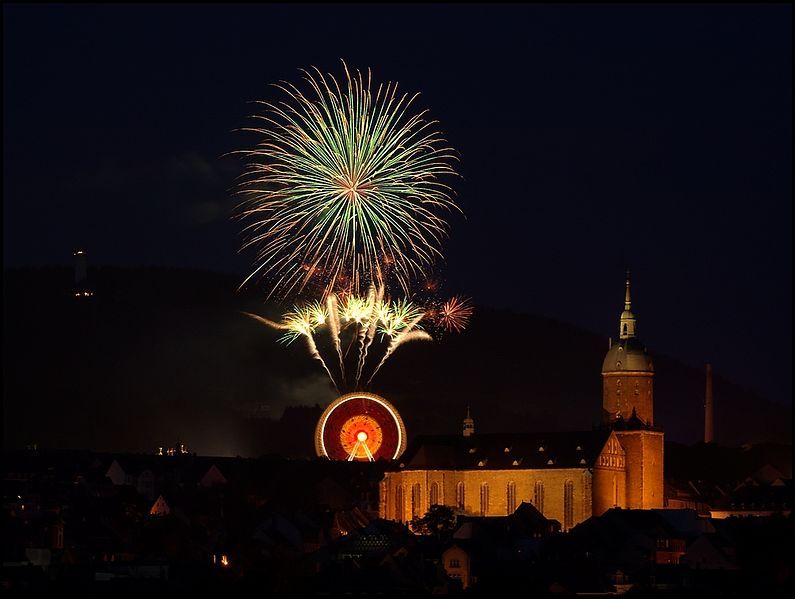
164	353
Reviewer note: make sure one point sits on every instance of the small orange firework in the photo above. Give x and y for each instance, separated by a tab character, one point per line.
455	314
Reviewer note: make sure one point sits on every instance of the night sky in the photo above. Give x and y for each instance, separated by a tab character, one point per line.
592	139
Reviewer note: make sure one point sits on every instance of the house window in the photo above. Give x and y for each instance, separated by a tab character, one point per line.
484	499
399	506
538	496
416	503
459	496
511	497
568	504
434	494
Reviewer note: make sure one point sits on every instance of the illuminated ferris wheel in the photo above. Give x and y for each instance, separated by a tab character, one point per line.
360	426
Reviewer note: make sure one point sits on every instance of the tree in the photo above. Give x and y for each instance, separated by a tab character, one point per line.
440	521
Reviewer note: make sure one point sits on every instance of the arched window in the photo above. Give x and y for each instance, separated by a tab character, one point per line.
484	499
511	497
625	329
400	512
538	496
434	498
459	496
568	504
416	501
615	490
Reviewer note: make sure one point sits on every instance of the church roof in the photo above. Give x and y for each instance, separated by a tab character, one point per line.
627	354
505	451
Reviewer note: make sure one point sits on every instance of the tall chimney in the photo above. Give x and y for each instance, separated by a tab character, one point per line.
709	422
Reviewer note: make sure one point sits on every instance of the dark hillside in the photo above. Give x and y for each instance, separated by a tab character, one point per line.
161	353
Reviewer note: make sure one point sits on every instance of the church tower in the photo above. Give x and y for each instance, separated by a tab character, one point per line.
469	425
627	372
628	408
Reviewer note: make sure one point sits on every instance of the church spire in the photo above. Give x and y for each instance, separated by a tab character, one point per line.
627	298
628	325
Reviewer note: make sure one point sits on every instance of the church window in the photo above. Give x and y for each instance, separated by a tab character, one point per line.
399	506
615	490
538	496
637	389
484	499
459	496
568	505
455	563
625	329
434	494
416	503
511	497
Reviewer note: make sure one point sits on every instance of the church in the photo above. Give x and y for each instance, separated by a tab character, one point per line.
567	476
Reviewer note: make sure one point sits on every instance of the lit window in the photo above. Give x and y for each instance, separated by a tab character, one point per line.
399	507
538	496
459	495
434	494
568	505
511	497
415	501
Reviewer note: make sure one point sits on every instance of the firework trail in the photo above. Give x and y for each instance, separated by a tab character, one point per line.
408	334
310	340
299	323
360	319
334	329
270	323
376	310
344	190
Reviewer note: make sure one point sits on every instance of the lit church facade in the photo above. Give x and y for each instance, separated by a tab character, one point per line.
568	476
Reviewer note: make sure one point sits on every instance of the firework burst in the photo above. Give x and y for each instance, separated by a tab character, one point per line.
454	314
344	190
356	327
